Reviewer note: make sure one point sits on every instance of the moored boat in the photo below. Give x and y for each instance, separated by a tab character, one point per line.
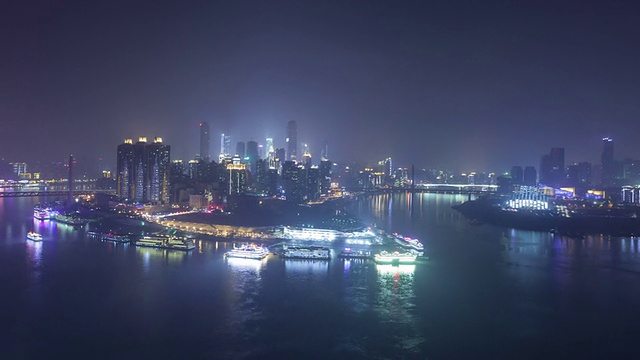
166	242
349	253
408	242
395	258
119	238
306	252
248	251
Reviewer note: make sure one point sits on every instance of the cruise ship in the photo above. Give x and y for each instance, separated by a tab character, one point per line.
166	242
306	252
303	233
395	258
34	236
364	233
248	251
348	253
408	242
117	238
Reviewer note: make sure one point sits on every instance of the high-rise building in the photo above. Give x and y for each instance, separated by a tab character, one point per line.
306	157
608	164
240	149
225	146
252	155
529	176
292	140
325	176
552	171
205	148
158	167
236	176
294	182
143	171
271	153
124	170
517	175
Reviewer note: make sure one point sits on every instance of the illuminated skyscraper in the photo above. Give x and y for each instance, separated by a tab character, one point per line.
292	140
204	142
158	165
124	169
143	171
225	146
608	164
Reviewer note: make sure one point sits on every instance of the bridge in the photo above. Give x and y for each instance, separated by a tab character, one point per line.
52	193
441	189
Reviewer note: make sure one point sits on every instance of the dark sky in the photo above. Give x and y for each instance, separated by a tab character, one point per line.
475	85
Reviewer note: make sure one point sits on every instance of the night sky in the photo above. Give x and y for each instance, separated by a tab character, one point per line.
475	85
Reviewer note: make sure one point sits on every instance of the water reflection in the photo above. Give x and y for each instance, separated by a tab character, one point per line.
395	305
301	267
153	257
253	266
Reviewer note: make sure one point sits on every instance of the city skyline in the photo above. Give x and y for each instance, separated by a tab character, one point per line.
435	85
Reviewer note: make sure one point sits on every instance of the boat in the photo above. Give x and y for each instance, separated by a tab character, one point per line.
166	242
68	219
306	252
304	233
364	233
408	242
248	251
116	238
41	214
348	253
34	236
395	258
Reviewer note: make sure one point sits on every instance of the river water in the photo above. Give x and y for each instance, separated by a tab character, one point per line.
486	292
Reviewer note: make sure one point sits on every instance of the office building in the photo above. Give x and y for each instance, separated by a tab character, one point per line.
205	148
292	140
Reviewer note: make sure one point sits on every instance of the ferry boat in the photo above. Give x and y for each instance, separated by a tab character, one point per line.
41	214
304	233
306	252
166	242
248	251
117	238
364	233
395	258
348	253
34	236
408	242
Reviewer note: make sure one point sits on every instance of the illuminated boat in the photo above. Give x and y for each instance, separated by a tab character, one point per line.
364	233
68	219
166	242
306	252
348	253
117	238
408	242
395	258
303	233
248	251
41	214
34	236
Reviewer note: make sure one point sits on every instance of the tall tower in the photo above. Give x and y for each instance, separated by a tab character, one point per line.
225	146
292	139
204	142
124	170
252	154
140	173
608	165
158	163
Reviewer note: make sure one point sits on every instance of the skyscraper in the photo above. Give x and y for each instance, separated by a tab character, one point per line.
158	166
204	142
143	171
252	154
240	149
552	171
225	146
292	140
124	170
608	165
